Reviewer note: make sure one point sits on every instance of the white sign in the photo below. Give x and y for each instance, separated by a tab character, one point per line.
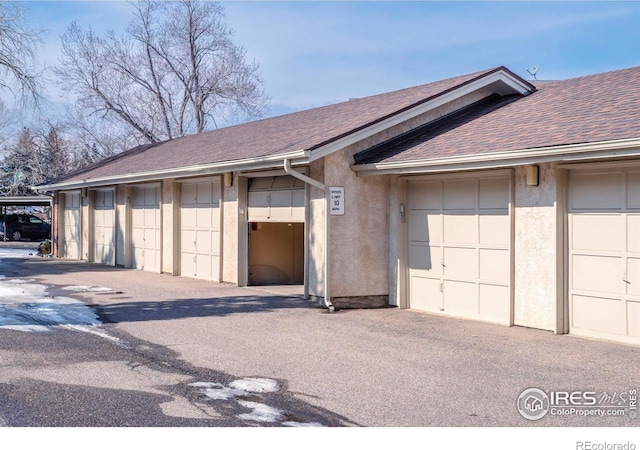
337	201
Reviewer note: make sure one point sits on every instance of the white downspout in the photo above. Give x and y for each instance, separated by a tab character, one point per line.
327	217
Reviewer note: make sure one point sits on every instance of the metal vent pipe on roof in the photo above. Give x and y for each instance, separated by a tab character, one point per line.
327	217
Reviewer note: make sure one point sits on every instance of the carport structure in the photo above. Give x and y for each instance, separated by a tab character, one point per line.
40	200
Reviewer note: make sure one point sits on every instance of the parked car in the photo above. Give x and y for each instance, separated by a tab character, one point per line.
19	226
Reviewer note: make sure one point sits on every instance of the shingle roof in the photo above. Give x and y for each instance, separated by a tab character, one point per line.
305	130
594	108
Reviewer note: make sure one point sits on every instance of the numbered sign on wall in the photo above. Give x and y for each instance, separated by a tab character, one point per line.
337	201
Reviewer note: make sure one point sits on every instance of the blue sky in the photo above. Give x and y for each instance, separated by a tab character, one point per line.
314	53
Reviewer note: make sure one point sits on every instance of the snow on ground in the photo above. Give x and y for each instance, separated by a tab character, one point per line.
238	390
86	289
18	253
27	306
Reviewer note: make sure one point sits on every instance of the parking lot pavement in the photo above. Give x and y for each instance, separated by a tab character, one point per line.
383	367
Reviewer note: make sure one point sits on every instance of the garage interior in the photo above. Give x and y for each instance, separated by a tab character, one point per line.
276	253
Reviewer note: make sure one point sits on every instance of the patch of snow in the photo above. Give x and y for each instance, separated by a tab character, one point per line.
26	306
18	253
26	328
255	385
260	413
218	391
302	424
252	386
86	288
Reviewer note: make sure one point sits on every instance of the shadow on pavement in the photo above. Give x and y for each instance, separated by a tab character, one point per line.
196	307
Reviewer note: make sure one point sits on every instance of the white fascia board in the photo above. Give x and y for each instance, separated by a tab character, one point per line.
272	161
499	76
562	153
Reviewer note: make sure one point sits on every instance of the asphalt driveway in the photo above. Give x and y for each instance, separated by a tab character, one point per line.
384	367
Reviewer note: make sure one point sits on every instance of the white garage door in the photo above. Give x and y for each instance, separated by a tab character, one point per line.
459	257
145	224
104	230
200	230
604	254
71	232
276	199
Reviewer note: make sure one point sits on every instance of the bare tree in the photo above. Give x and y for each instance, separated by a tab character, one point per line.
18	45
175	71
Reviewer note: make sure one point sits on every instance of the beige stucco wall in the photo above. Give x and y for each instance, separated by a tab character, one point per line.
230	231
86	224
121	224
170	201
316	231
359	238
536	249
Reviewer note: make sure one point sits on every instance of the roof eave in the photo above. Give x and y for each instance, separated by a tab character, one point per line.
560	153
505	82
273	161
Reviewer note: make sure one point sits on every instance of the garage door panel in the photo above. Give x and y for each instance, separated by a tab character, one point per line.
188	263
188	194
137	218
495	229
205	194
460	195
461	263
597	273
425	294
460	228
494	193
495	303
298	198
603	232
596	191
633	233
633	318
151	240
633	190
633	276
425	258
425	228
203	238
137	237
494	265
151	259
461	299
150	216
204	217
150	197
259	206
203	265
188	218
600	314
424	196
188	240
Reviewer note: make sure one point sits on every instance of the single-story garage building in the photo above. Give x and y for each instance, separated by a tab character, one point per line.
483	196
